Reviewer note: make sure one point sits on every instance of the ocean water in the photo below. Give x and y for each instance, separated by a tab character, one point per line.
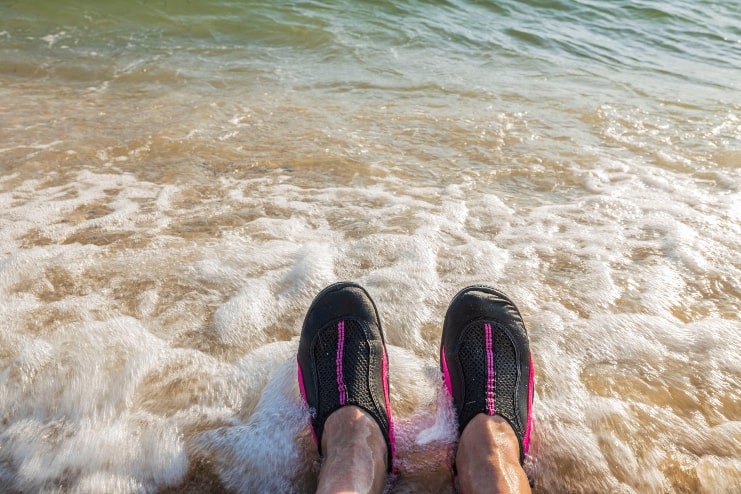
178	179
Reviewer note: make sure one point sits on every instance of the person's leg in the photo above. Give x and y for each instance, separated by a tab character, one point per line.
343	378
355	453
488	458
486	362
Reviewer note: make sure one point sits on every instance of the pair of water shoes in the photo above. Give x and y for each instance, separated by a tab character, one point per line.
484	357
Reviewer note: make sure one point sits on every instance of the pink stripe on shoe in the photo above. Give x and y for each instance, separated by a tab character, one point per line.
385	379
341	388
302	390
530	390
490	373
446	373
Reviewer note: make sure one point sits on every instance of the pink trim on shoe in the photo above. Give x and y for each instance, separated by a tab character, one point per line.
302	390
385	379
531	389
446	373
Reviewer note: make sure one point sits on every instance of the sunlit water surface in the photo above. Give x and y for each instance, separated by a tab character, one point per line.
178	180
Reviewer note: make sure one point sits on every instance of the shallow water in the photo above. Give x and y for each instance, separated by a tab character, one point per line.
178	180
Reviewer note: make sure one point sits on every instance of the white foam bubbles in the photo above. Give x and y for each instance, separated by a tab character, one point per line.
132	453
424	419
244	317
718	475
267	452
260	303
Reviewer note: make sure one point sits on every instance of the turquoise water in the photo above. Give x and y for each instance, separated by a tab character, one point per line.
178	180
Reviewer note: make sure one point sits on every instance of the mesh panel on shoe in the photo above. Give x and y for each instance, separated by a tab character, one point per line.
325	351
472	357
355	364
506	374
360	383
